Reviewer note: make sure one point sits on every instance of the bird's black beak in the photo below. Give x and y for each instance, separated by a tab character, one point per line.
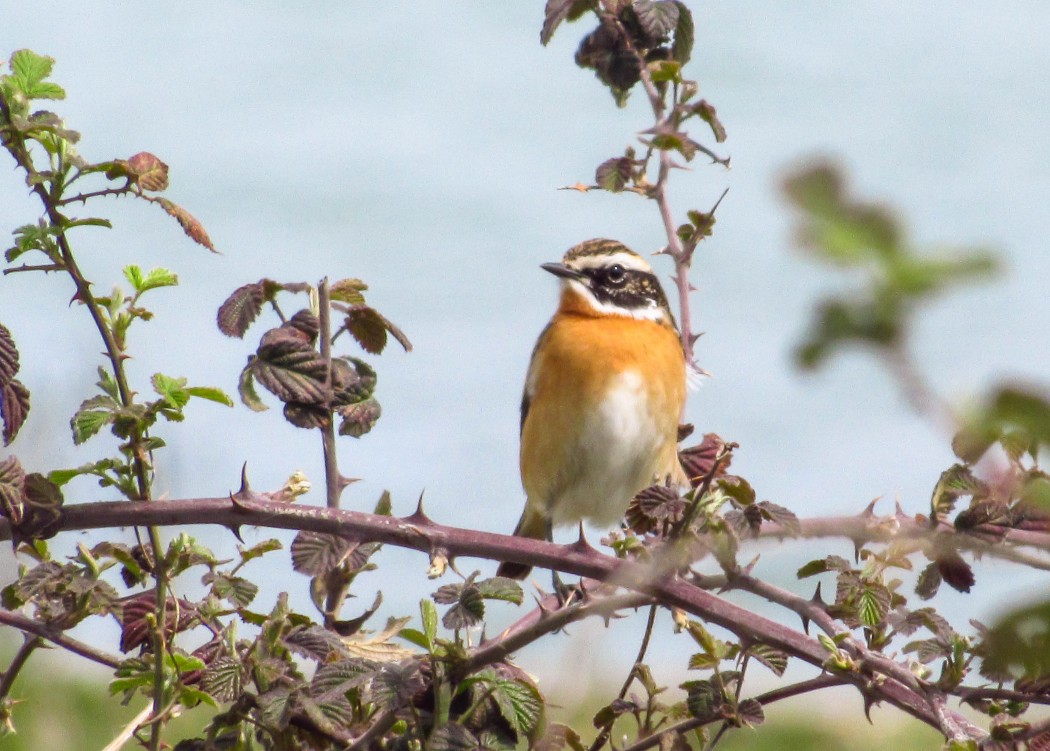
561	270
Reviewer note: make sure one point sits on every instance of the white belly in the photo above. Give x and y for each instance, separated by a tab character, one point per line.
616	455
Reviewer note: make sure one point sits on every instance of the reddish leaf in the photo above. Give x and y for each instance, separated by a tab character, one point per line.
14	407
135	628
241	309
289	367
12	486
613	175
698	461
306	322
147	171
359	418
955	571
189	223
557	11
8	356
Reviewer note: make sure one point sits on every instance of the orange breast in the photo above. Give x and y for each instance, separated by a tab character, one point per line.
581	359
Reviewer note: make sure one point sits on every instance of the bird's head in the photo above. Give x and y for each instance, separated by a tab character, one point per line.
610	279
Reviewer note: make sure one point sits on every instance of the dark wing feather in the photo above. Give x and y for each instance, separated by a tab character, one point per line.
526	400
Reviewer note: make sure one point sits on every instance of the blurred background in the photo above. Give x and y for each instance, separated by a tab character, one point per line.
421	146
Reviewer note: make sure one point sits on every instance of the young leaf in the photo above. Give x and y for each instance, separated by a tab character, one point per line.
155	278
173	390
258	550
28	71
210	393
246	389
348	291
501	588
93	415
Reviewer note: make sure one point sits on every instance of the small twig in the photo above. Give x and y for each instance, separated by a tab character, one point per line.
333	480
7	678
83	197
683	727
28	625
39	267
606	731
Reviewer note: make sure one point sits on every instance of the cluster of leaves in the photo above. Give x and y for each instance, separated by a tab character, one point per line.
865	237
14	396
290	364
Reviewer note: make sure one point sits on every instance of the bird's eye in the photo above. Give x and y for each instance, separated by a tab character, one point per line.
615	274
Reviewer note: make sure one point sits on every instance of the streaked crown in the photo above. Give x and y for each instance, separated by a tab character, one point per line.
613	280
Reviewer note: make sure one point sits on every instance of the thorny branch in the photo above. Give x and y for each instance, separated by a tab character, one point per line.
874	674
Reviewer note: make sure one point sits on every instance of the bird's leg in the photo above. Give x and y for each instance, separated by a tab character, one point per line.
567	593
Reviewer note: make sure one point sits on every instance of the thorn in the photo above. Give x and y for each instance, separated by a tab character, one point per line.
869	512
898	510
665	250
238	502
869	702
245	486
236	529
419	516
581	545
751	565
693	288
346	481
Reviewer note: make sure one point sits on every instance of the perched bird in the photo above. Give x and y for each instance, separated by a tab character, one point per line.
603	394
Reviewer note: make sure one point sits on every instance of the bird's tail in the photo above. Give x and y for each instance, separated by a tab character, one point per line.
532	525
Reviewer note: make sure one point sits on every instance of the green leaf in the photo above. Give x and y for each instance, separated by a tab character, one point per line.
93	415
236	589
210	393
348	291
501	588
258	550
156	278
173	390
429	617
614	174
771	657
872	606
28	71
520	704
954	482
383	506
223	678
246	389
682	48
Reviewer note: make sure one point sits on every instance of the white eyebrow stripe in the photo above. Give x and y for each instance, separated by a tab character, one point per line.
627	260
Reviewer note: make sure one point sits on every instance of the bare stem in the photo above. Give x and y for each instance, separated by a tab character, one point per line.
42	630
